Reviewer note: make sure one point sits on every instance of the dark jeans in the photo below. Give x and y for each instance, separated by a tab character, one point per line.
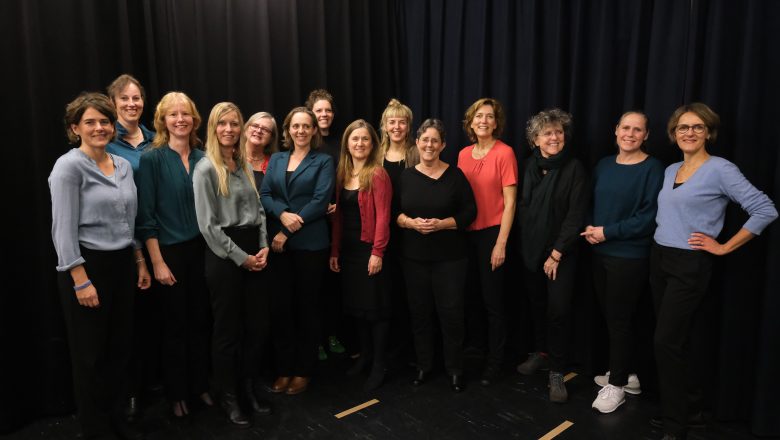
491	287
551	303
186	322
619	283
100	338
296	277
679	279
437	286
240	305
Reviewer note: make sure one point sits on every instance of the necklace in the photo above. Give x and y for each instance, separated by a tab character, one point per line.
255	159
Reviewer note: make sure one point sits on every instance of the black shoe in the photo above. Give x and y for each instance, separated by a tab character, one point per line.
673	437
420	378
258	405
229	404
489	376
358	366
132	410
125	431
375	379
456	383
695	421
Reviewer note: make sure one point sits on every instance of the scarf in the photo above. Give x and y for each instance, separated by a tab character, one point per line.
536	205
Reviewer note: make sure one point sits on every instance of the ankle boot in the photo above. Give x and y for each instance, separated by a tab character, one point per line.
258	405
229	404
375	379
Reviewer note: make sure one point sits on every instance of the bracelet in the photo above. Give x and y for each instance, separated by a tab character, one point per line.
83	286
140	260
557	260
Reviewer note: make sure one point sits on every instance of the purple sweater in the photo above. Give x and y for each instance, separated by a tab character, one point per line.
699	204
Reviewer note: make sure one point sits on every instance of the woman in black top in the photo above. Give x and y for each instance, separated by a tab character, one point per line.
551	212
436	204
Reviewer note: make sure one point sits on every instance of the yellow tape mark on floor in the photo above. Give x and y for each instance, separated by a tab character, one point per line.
569	377
356	408
558	429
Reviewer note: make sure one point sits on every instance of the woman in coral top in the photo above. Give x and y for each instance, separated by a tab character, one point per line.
491	169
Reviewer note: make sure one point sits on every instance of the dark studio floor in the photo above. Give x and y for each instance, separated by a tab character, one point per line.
516	407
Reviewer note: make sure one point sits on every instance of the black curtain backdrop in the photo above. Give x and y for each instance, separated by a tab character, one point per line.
592	58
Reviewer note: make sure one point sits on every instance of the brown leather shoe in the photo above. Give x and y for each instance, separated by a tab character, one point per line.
297	385
281	384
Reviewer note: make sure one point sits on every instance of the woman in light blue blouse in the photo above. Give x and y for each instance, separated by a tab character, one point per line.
94	204
232	221
167	225
691	209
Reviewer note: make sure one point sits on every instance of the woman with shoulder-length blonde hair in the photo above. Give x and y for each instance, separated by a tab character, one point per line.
361	230
168	227
491	169
262	140
232	221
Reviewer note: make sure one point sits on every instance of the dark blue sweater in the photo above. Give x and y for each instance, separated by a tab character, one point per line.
625	204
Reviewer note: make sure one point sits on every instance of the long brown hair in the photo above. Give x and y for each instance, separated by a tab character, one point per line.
373	162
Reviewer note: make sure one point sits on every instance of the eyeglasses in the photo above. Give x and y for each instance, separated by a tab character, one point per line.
260	128
698	128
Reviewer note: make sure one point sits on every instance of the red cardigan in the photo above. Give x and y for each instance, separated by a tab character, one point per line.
374	215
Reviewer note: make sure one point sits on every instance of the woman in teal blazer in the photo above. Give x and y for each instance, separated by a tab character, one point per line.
295	192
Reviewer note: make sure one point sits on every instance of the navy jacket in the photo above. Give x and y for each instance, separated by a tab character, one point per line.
307	194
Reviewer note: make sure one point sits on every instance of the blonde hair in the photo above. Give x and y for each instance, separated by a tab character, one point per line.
374	161
162	137
214	153
273	145
395	109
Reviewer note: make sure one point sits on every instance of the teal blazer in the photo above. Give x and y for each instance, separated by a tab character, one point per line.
307	194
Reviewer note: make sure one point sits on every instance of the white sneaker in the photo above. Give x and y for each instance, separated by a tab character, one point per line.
609	399
632	387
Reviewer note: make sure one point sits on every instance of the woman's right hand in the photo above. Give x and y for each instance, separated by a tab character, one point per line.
293	222
88	296
277	245
162	274
334	264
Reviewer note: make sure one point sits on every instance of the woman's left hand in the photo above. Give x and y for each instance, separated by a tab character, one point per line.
703	242
277	245
331	208
594	234
498	256
144	278
262	258
374	265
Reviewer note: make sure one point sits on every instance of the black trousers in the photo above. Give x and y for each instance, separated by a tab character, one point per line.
679	279
551	303
144	365
100	338
437	286
619	283
491	287
296	277
186	322
240	305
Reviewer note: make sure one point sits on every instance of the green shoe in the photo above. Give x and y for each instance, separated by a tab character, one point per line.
335	346
322	355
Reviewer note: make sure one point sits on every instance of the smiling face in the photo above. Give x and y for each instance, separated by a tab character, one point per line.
129	104
397	129
259	132
691	142
228	129
95	129
484	122
550	140
179	120
430	145
631	132
324	113
301	129
359	144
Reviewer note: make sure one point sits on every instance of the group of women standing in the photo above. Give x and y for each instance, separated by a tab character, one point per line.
239	241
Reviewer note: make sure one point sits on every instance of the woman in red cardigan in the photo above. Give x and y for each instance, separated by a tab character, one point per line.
361	230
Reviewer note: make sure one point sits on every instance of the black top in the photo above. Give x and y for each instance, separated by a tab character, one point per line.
350	214
448	196
331	146
258	179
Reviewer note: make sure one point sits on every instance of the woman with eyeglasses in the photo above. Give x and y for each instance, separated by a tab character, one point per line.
691	210
262	140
